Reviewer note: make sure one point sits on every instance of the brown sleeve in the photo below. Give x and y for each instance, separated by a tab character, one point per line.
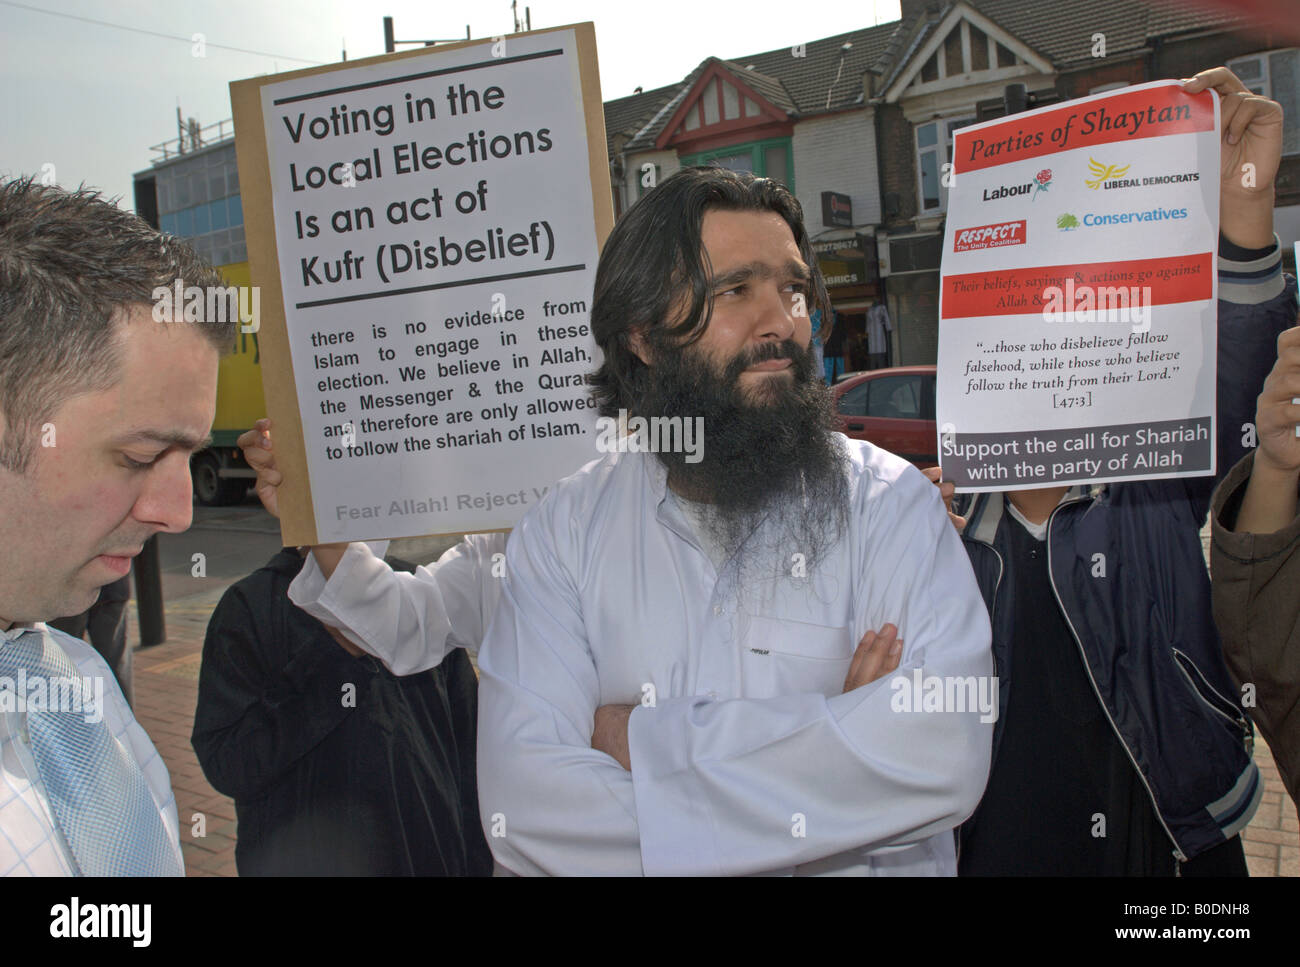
1257	608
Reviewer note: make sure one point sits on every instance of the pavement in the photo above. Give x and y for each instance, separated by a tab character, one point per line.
235	541
166	693
223	545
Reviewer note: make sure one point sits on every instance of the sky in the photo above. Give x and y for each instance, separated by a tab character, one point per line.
88	98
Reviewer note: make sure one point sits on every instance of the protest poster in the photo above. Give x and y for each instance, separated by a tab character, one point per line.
425	228
1078	298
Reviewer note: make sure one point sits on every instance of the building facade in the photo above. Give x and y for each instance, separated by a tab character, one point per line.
192	191
860	125
798	115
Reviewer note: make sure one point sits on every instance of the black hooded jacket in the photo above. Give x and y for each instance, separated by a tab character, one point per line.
336	766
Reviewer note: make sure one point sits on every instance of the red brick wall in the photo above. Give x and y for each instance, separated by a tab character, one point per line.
1079	82
897	146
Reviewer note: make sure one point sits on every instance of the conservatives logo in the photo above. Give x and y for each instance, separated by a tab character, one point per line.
990	236
1068	222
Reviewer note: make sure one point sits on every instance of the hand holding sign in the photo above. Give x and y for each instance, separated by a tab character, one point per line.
1250	155
1269	503
258	454
1278	412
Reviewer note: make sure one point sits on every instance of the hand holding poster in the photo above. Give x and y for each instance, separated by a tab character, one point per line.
426	227
1078	295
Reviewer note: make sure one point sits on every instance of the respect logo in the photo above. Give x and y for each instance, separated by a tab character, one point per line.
990	236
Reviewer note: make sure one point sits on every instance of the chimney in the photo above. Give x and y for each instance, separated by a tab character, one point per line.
911	9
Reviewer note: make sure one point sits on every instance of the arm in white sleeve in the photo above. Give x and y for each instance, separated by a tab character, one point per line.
720	785
564	808
407	621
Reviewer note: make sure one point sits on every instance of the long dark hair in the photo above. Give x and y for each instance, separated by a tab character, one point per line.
654	257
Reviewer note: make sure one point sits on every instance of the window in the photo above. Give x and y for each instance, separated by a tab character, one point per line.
915	253
979	49
772	158
736	162
931	156
854	401
730	102
1275	74
903	397
894	397
709	102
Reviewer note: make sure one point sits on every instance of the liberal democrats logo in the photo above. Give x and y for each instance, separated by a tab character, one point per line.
1107	177
1103	172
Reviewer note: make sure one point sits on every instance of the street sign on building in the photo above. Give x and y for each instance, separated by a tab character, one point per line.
837	210
847	262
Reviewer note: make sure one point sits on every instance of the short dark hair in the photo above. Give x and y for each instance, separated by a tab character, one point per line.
71	264
654	255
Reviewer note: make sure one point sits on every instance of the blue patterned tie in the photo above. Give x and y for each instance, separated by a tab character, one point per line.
98	795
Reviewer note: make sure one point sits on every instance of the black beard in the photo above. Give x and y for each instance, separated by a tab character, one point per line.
774	476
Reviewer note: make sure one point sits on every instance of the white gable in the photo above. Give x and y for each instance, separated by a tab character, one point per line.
966	48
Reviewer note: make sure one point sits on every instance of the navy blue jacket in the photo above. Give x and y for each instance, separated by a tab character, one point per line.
1141	614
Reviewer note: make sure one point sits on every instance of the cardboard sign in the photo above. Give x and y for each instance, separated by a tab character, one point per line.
425	228
1078	299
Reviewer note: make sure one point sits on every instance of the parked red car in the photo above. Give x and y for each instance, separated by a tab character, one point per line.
892	408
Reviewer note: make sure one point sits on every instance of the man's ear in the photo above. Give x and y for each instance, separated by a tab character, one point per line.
636	343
